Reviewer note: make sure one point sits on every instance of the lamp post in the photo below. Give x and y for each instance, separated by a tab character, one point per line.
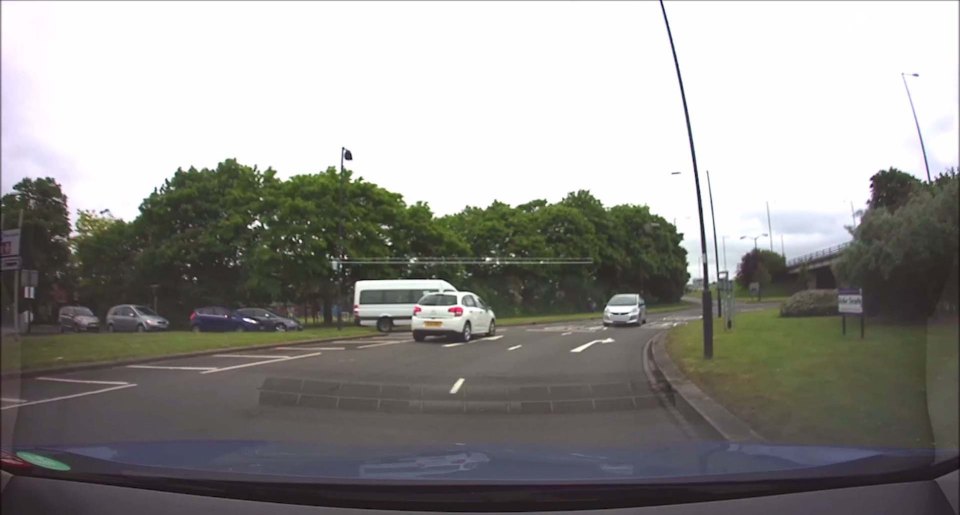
725	254
345	155
707	304
914	111
754	238
716	250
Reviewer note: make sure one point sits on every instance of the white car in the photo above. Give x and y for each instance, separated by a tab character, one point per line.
625	308
460	314
388	303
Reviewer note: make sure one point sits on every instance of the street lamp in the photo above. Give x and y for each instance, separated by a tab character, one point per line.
754	238
707	305
910	98
716	250
345	155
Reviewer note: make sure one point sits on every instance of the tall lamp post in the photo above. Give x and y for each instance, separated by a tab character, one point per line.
345	155
914	111
754	238
707	305
716	250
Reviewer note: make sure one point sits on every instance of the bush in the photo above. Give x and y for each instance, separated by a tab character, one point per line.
810	303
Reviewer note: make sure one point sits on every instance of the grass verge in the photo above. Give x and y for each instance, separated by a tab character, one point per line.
798	380
36	352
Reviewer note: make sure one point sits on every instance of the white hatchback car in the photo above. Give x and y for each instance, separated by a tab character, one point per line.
625	308
460	314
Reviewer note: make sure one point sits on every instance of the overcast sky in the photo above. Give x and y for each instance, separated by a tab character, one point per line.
795	104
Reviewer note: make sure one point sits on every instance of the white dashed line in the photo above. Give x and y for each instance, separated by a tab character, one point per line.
457	385
567	333
250	356
10	399
161	367
515	347
311	348
65	397
82	381
453	344
492	338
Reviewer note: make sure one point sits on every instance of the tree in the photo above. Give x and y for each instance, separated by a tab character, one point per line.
902	257
44	238
891	188
105	251
773	264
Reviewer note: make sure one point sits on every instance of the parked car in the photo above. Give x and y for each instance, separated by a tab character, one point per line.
135	317
78	318
270	321
460	314
625	308
219	318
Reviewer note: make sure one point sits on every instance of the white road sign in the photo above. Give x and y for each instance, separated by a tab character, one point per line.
10	243
850	301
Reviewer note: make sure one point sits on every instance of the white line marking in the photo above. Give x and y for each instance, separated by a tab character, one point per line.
65	397
381	344
457	385
310	348
515	347
252	356
257	363
587	345
568	333
453	344
159	367
343	342
492	338
64	380
10	399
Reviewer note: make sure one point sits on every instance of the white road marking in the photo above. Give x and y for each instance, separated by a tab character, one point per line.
453	344
382	344
567	333
587	345
457	385
82	381
310	348
515	347
252	356
10	399
65	397
492	338
160	367
258	363
377	340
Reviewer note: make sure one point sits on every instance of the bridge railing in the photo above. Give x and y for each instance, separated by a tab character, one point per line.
817	255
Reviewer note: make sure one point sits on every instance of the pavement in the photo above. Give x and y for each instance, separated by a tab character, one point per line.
571	384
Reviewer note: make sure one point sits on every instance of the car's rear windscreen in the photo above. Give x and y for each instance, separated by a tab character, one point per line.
438	300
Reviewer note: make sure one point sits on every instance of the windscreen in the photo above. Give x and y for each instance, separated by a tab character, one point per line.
458	207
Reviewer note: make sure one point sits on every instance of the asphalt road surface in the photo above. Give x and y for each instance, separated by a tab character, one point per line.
570	384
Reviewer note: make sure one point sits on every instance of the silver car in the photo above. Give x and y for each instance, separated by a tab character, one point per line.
625	308
135	317
77	318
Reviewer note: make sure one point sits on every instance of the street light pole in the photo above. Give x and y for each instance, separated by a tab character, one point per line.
716	252
707	306
914	111
725	254
344	155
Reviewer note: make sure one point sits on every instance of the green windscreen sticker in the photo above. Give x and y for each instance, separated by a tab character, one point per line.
42	461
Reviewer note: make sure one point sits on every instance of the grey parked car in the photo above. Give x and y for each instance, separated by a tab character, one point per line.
77	318
134	317
270	321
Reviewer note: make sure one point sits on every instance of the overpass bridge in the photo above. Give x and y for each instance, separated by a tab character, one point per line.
818	265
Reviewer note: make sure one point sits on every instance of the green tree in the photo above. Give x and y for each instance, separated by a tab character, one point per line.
105	250
44	238
774	264
903	257
891	189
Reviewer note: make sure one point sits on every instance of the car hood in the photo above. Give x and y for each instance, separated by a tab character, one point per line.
86	319
155	318
280	461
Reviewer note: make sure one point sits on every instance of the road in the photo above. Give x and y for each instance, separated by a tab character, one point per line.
571	384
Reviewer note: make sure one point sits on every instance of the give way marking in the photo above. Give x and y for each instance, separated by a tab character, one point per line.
587	345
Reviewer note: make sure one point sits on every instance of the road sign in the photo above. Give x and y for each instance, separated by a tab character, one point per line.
10	263
29	292
850	301
29	277
754	288
10	243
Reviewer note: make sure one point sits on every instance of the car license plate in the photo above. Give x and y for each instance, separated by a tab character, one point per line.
432	324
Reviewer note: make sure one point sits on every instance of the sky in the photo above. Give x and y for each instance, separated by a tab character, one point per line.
792	104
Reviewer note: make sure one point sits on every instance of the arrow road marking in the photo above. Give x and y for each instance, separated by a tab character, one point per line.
587	345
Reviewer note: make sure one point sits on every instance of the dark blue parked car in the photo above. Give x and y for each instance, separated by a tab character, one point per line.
218	318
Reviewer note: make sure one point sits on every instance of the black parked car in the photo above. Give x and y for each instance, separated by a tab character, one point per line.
270	321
